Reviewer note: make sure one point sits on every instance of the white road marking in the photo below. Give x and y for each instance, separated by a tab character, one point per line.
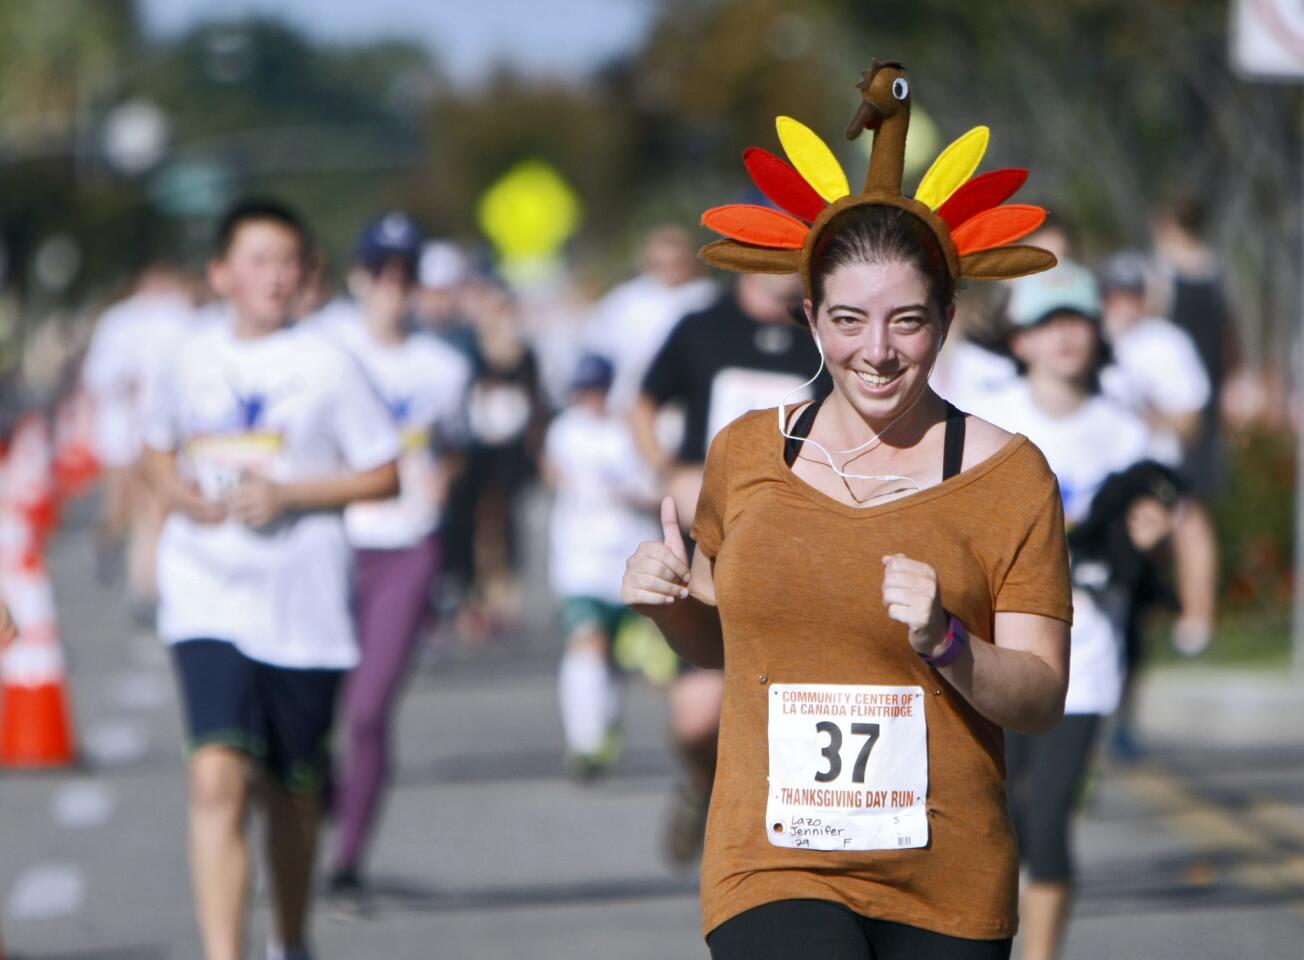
140	690
115	742
83	803
47	891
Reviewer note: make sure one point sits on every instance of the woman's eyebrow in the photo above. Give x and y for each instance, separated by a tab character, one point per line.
907	308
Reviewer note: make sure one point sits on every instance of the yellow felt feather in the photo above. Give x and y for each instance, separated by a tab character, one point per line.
952	168
813	159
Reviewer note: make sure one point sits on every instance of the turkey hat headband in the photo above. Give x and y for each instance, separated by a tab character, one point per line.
977	229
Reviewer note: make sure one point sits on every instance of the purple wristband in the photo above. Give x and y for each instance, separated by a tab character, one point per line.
957	638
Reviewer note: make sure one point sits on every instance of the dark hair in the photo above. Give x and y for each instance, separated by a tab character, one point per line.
254	210
880	233
1190	211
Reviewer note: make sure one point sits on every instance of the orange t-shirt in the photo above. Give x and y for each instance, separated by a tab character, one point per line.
798	580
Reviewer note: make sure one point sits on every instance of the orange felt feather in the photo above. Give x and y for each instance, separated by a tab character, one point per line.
759	226
997	227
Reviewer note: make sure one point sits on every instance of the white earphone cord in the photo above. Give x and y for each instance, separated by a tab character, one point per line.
872	442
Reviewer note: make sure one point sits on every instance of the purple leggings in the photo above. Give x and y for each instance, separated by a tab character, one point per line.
391	600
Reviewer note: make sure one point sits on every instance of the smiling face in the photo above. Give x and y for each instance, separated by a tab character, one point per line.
881	332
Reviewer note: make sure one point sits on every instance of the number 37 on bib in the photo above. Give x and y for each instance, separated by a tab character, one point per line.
848	767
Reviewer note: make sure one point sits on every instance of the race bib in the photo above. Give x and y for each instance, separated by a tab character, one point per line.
219	461
848	767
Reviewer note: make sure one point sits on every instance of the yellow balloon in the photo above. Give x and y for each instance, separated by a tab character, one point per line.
529	212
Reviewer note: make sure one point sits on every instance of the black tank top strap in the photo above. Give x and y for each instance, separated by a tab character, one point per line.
952	450
953	445
800	431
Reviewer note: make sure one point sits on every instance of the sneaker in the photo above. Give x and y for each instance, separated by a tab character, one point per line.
346	895
286	953
1124	745
685	829
584	768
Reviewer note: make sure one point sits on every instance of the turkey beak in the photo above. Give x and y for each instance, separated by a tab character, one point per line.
867	118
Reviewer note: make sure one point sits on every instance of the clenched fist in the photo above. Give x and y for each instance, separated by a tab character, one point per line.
657	574
912	596
255	501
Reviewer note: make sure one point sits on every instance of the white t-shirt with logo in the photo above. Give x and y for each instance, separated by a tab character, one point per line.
1099	438
423	383
1156	367
292	406
595	523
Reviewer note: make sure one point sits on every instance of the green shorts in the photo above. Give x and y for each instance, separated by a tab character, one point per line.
578	613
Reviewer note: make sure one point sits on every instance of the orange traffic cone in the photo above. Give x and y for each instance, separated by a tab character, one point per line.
35	712
35	719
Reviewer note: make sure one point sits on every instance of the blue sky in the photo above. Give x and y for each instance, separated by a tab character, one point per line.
565	37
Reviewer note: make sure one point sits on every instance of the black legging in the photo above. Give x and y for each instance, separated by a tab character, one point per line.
819	928
1044	778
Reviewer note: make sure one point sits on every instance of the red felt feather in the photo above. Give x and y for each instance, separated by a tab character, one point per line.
759	226
981	193
997	227
783	185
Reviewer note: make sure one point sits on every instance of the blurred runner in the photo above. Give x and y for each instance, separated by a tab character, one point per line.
505	420
397	546
601	513
131	342
1059	345
743	353
258	437
1156	370
1192	276
1159	374
633	320
442	272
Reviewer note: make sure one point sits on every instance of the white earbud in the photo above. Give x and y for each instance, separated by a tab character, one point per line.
869	444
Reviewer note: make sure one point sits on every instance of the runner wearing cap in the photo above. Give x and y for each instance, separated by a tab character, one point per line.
1059	344
397	559
883	578
259	435
602	510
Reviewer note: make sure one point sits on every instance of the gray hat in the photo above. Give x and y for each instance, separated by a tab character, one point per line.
1065	288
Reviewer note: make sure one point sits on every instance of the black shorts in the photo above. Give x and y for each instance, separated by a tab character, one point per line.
280	717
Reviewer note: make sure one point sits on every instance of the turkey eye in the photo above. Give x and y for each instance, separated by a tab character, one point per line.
900	88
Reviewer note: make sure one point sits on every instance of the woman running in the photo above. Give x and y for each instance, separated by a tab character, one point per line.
883	579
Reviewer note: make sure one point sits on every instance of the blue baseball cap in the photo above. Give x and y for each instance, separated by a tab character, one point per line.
392	236
593	372
1065	288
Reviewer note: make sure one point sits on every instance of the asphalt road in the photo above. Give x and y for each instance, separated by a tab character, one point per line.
487	850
